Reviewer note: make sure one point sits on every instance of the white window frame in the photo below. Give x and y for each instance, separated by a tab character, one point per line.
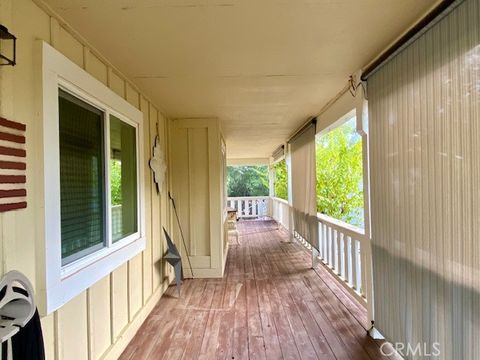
57	284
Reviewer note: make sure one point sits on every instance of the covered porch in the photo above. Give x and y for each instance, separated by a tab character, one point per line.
270	304
118	123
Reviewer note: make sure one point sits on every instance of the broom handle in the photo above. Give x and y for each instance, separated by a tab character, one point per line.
181	232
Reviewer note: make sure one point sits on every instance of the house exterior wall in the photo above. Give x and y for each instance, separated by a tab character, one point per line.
99	322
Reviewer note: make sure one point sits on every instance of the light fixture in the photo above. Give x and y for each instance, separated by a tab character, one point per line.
8	44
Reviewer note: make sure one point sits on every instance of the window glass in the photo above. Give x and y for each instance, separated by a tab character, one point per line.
123	178
81	178
281	180
340	174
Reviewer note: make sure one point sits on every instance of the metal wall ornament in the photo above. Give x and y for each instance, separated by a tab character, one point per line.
8	47
158	165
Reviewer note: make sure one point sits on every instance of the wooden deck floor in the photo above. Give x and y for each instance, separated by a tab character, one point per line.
269	305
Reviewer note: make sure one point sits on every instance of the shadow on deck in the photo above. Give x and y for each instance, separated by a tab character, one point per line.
269	305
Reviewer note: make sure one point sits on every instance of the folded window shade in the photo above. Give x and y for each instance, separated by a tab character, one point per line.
278	154
81	177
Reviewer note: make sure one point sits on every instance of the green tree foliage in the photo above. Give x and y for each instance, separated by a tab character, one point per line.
281	180
339	174
116	182
247	181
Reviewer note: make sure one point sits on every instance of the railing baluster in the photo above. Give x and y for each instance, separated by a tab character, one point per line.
327	233
358	280
325	244
348	260
330	245
362	269
343	242
338	264
320	240
353	256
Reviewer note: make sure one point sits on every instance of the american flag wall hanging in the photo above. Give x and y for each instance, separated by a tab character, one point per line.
12	166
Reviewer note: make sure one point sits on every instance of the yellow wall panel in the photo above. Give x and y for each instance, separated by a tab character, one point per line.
18	105
199	191
156	215
119	295
72	330
164	200
147	254
69	46
197	168
180	177
48	330
132	96
99	317
96	67
116	83
135	292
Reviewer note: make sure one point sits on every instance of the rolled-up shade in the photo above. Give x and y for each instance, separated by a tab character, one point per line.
278	154
303	184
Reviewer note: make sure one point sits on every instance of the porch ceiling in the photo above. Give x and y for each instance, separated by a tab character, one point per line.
262	67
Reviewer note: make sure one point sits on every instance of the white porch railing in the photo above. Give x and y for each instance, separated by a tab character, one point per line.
281	212
250	207
344	249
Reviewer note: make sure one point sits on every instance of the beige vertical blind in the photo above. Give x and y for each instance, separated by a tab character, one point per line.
303	184
425	186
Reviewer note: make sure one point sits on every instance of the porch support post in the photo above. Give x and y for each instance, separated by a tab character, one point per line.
271	188
361	106
288	161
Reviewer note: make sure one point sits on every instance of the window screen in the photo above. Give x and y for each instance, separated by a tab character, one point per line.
123	178
82	187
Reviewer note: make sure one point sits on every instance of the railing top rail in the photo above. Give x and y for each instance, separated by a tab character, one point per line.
247	197
356	231
283	201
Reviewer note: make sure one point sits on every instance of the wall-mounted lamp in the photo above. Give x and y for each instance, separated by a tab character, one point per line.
8	44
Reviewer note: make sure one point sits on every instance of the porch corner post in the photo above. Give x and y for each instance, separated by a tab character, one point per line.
361	107
271	189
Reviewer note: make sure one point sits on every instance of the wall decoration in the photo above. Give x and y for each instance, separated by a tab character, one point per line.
12	166
157	164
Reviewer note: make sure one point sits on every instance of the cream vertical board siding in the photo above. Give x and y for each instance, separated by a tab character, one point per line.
135	281
165	268
119	299
147	254
72	329
99	310
156	215
425	168
99	322
95	67
196	160
199	241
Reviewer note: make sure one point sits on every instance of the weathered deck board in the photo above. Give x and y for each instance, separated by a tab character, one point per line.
269	305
